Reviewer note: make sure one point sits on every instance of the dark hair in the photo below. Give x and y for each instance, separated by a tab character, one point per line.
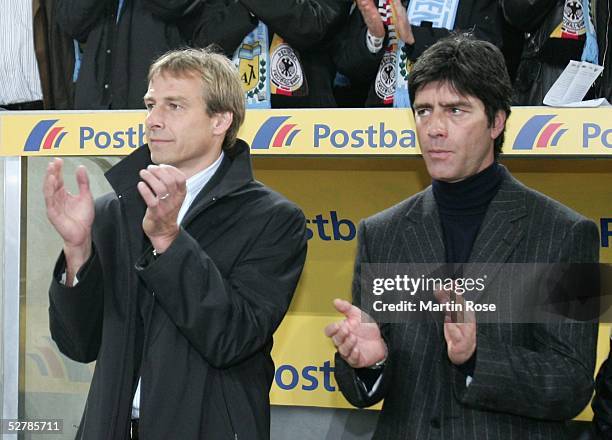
471	67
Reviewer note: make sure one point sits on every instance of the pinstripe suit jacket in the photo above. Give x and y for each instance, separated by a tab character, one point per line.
529	378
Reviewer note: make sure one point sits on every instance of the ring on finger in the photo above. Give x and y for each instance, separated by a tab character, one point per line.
165	196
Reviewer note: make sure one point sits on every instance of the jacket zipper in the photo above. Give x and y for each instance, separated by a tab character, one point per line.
229	416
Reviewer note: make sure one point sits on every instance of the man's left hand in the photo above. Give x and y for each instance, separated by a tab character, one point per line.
163	189
460	335
460	340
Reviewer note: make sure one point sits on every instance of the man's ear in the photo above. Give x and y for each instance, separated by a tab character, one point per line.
499	123
222	122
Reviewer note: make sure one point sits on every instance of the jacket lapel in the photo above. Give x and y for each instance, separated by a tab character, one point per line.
501	231
423	244
422	233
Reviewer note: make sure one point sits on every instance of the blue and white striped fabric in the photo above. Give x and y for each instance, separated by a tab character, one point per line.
442	14
19	77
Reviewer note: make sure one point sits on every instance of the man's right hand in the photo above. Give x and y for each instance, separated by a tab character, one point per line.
359	343
71	215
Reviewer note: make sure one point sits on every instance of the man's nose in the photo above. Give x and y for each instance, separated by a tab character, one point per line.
436	126
154	119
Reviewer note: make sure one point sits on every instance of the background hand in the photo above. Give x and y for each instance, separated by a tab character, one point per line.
402	23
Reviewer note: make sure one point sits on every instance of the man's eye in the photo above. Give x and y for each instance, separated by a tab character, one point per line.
174	106
422	112
149	106
455	110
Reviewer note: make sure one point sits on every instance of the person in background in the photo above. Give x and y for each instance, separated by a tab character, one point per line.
385	37
55	56
19	75
558	31
118	40
281	47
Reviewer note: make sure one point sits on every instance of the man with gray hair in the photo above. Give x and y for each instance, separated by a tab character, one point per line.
176	281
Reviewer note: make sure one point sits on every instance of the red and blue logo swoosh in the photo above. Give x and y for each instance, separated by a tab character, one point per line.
276	128
539	132
44	136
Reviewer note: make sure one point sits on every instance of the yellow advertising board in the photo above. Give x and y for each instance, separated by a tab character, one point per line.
531	131
335	193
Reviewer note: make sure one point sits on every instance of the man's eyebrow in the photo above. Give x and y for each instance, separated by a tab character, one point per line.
175	99
181	99
421	105
456	103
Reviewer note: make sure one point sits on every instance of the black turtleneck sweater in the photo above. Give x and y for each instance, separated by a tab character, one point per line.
462	207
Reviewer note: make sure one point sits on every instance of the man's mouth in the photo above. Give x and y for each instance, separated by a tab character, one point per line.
438	153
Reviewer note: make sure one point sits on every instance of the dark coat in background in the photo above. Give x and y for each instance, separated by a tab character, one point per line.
537	72
55	56
117	55
196	323
603	85
306	25
528	378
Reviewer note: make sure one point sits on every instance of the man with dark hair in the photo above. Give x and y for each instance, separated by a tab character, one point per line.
445	65
176	281
446	379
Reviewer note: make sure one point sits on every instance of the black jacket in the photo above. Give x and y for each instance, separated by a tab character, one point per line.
307	26
197	322
528	378
536	72
602	402
55	57
117	55
603	85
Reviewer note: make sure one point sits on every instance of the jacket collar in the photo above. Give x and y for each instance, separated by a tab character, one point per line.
235	171
499	234
502	230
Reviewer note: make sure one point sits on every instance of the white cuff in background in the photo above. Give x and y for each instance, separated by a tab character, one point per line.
373	43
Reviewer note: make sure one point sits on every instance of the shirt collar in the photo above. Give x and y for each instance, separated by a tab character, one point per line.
196	182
